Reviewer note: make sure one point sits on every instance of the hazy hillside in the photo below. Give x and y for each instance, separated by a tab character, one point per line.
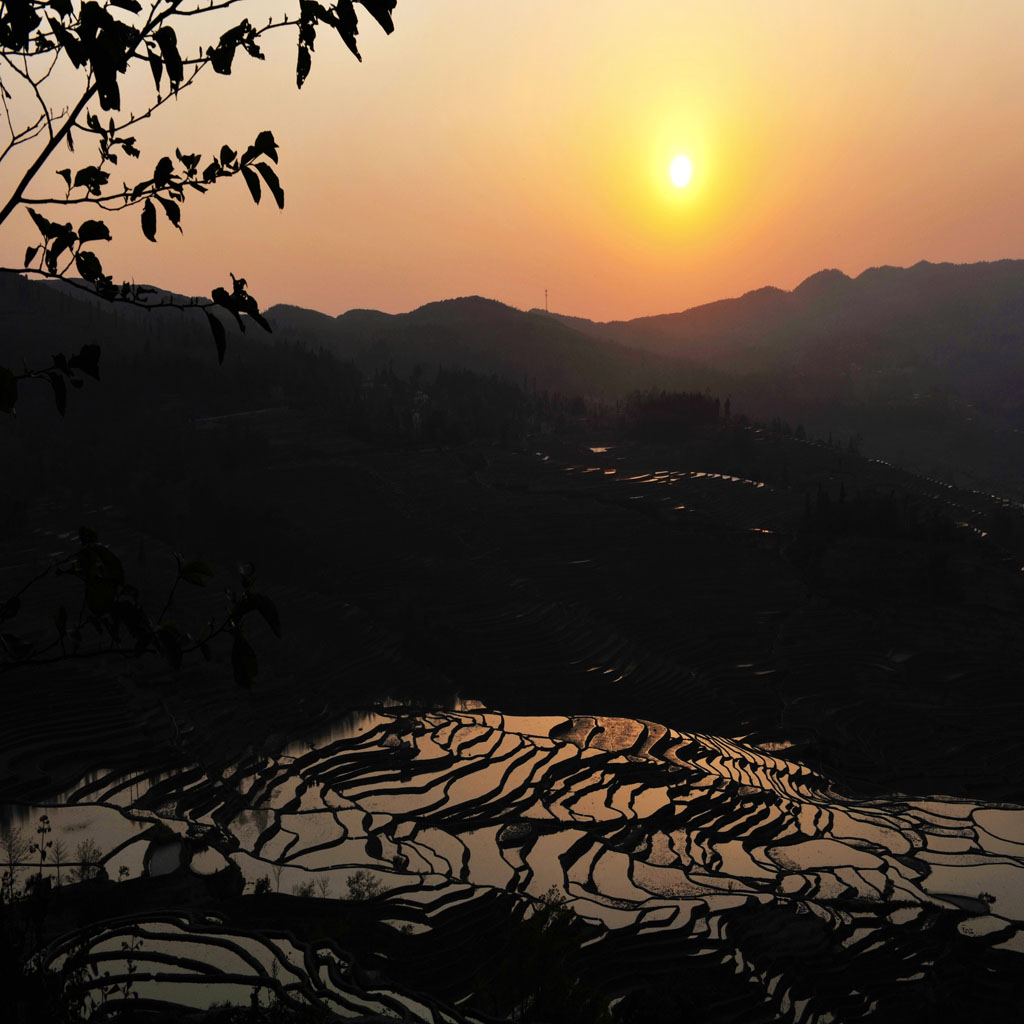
926	363
923	367
484	336
889	332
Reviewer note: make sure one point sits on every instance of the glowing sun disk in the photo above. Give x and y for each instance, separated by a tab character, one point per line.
680	171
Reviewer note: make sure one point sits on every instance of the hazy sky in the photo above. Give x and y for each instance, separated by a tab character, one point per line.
501	148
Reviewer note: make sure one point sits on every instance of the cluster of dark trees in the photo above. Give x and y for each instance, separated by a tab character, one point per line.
667	415
452	407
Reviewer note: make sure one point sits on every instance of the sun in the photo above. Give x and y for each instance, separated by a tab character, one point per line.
680	171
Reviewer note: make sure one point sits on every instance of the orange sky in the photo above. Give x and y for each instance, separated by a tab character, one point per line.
504	148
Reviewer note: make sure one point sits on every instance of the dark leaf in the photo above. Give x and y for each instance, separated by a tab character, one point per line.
128	5
88	265
168	43
219	335
347	24
46	227
190	161
380	11
227	154
270	177
60	391
92	178
162	173
87	360
243	661
149	220
30	254
106	84
64	239
265	144
303	64
8	390
93	231
262	604
69	43
253	182
155	66
172	210
221	58
222	298
66	175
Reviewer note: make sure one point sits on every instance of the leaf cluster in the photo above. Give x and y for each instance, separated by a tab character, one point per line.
112	620
104	39
62	371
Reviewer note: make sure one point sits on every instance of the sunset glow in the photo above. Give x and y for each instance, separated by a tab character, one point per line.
499	149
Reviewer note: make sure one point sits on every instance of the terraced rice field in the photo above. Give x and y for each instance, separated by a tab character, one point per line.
613	699
648	835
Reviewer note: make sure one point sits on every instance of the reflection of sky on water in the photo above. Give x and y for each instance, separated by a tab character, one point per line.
444	793
635	825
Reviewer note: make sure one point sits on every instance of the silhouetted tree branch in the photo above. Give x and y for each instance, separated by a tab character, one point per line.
112	620
96	46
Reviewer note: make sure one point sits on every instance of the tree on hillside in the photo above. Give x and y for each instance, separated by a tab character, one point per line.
63	66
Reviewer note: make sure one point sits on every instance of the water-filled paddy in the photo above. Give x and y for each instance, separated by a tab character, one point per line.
640	829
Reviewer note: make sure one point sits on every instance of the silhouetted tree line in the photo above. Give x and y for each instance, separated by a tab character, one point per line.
175	445
664	415
454	407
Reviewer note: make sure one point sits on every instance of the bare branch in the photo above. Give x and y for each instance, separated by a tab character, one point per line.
44	155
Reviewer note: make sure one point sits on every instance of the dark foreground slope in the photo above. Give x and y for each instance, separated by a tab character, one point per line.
767	753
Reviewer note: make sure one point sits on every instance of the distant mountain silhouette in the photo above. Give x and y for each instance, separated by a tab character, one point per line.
486	336
926	362
949	326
